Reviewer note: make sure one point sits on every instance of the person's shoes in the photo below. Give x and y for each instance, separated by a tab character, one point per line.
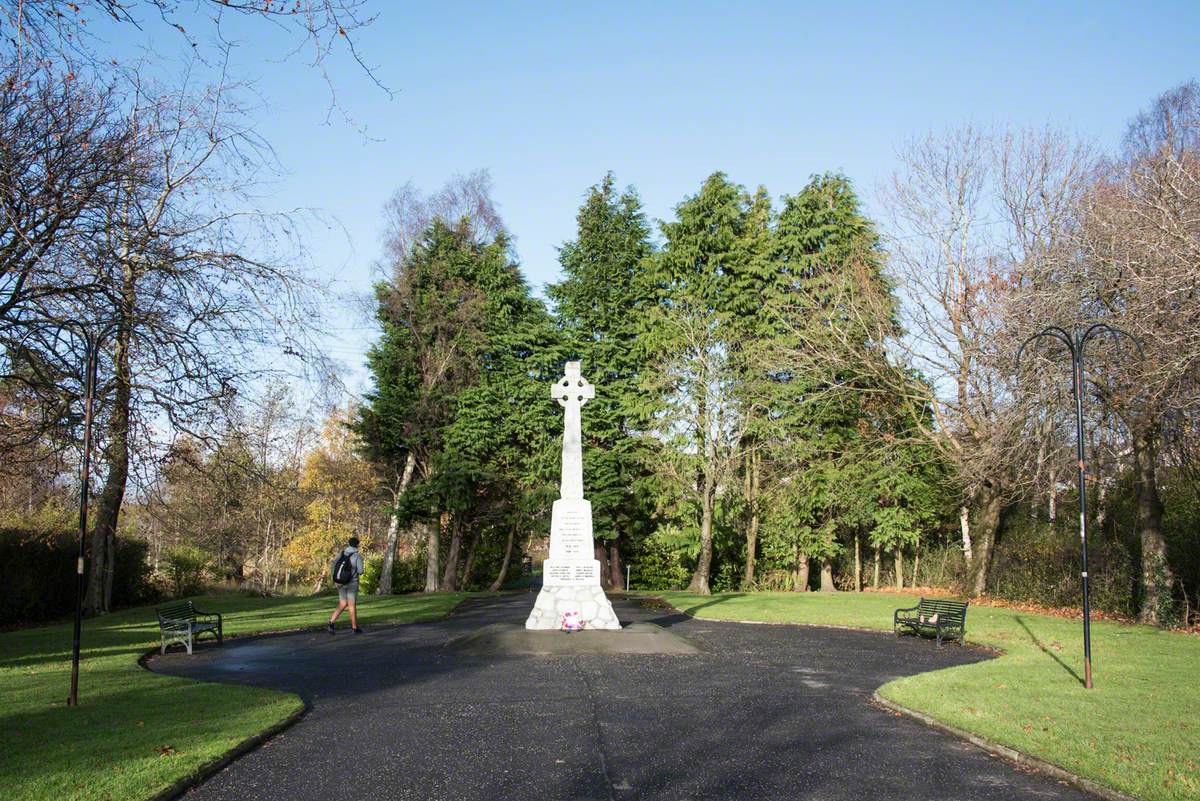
358	631
332	630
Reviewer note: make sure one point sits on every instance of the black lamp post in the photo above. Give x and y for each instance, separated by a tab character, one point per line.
92	344
1075	344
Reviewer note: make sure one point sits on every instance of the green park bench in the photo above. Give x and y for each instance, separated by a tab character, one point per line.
182	622
945	620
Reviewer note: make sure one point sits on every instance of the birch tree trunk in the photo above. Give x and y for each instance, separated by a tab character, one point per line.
857	562
1052	497
964	523
916	581
389	550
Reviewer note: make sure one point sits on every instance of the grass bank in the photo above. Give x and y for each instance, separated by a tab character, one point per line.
135	733
1137	731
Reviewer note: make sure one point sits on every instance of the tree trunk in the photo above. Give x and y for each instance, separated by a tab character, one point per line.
827	575
601	554
320	579
1052	497
989	523
899	562
450	573
1101	505
499	582
706	484
699	583
616	572
1156	577
465	583
801	581
98	599
857	562
964	523
875	574
916	576
751	489
389	550
432	546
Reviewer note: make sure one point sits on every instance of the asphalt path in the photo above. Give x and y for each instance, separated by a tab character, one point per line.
761	713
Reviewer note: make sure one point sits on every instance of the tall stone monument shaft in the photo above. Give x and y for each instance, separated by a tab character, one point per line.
571	574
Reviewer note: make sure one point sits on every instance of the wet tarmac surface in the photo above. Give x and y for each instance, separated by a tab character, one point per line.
761	712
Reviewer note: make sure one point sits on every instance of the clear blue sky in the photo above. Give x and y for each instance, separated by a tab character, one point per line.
550	96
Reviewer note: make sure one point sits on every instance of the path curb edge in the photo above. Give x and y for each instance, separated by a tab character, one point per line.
215	766
1032	762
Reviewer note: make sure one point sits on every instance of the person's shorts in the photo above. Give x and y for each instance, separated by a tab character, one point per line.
348	592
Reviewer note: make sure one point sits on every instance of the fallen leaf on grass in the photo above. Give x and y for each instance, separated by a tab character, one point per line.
166	750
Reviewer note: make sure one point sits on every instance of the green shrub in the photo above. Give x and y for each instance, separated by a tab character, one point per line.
663	562
368	582
185	569
39	581
1040	562
408	575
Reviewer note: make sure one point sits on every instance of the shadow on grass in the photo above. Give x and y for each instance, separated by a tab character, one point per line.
689	612
1042	647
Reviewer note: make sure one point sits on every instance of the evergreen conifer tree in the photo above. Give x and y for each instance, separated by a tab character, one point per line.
597	304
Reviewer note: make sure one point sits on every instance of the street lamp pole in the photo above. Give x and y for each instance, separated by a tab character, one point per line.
91	356
1075	344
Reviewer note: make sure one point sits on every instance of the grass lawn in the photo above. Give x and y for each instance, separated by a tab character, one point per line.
135	733
1137	731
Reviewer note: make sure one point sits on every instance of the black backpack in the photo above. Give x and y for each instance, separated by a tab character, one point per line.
343	569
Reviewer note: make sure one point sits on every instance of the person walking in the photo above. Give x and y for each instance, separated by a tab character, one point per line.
345	569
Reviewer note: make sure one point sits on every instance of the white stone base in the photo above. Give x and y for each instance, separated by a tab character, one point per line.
591	603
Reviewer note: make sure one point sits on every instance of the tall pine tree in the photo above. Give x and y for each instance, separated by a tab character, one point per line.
597	304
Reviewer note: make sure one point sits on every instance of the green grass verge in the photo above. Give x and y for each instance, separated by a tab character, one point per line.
135	733
1137	731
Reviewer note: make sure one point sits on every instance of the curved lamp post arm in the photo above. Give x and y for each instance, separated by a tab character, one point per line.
1053	332
1098	328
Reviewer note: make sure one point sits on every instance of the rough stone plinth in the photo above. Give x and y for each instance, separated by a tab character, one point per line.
590	601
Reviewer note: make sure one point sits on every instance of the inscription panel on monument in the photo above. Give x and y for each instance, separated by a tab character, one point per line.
574	527
569	574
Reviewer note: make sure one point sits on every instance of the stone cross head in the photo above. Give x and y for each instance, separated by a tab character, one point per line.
572	387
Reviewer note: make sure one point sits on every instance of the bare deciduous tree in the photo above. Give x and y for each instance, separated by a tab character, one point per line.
205	294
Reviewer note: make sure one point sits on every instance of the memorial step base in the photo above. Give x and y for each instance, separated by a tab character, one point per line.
591	603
